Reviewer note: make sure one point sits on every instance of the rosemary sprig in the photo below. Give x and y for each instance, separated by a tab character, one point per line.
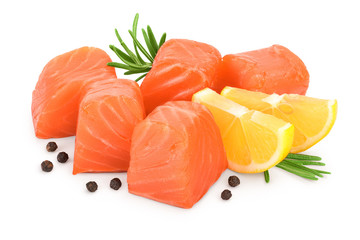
133	62
295	163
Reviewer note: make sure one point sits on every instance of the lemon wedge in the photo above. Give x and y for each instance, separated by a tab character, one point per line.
254	141
312	118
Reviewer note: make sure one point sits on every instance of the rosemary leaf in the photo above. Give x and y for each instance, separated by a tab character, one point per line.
134	29
119	65
152	39
139	57
139	78
120	53
148	44
135	23
323	172
303	157
131	54
137	71
140	68
304	162
162	40
267	176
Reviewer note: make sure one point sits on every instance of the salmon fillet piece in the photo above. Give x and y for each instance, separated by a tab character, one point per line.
61	86
180	69
176	153
270	70
108	114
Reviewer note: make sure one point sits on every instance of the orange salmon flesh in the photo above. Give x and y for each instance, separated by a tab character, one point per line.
60	88
180	69
176	154
270	70
107	116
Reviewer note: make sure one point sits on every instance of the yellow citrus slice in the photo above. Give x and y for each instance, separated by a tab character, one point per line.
254	141
312	118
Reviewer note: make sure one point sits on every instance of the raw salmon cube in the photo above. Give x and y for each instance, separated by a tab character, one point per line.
107	116
177	154
270	70
181	68
60	88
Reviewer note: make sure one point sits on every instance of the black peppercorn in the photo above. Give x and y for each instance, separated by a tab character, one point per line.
47	166
51	146
91	186
226	194
233	181
62	157
115	183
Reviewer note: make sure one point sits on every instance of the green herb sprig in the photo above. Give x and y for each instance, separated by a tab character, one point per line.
133	62
295	163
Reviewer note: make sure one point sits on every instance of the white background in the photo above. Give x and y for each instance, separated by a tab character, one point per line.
56	205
